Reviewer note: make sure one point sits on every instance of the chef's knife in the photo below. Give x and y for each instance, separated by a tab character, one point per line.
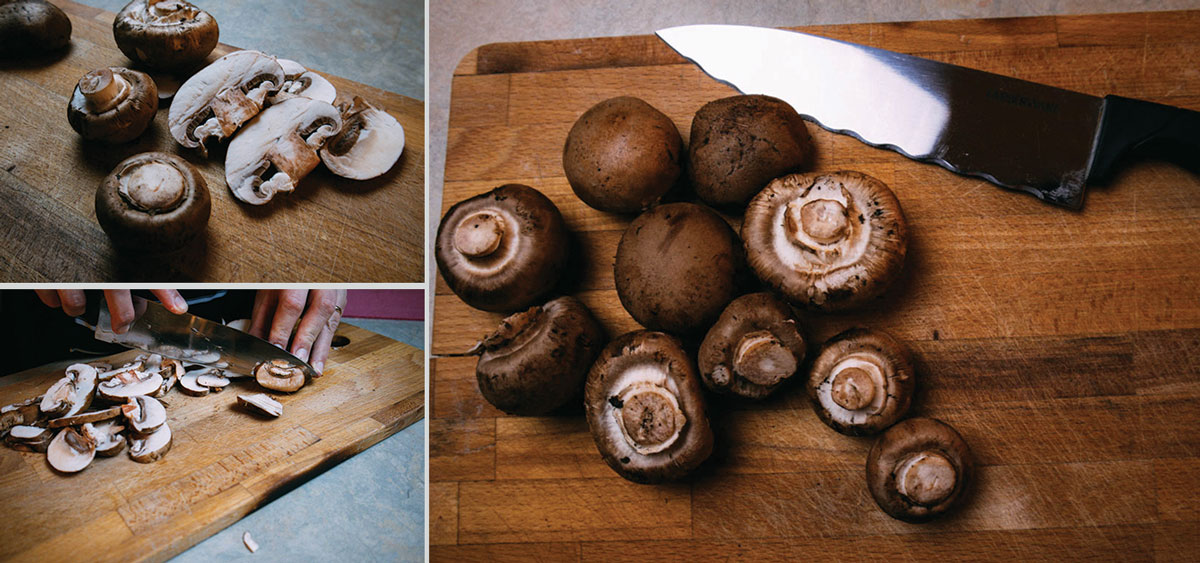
1039	139
189	338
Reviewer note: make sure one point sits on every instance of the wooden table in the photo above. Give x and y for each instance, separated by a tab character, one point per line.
1065	346
329	230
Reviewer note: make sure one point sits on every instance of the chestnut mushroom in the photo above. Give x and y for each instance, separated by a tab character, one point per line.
154	203
301	82
502	250
622	155
278	148
861	382
113	104
24	412
677	267
28	438
72	393
645	408
539	358
279	375
368	144
165	34
218	99
32	26
753	348
919	469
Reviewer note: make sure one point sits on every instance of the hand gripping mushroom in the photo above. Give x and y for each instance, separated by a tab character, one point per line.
645	408
218	99
278	148
861	382
154	203
753	348
919	469
826	241
114	105
165	34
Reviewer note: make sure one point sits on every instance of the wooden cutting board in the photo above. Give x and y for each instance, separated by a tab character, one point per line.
329	230
1065	346
223	463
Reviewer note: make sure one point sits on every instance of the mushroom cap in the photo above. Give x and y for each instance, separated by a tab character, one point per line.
113	105
861	382
919	469
740	143
645	408
278	148
502	250
32	26
677	266
368	145
826	241
754	347
278	375
622	155
218	99
539	358
165	34
154	203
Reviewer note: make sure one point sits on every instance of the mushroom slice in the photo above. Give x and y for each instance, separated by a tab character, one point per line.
645	408
28	438
145	415
216	101
129	383
212	381
81	418
147	449
25	412
278	375
278	148
71	450
135	365
301	82
918	469
108	437
261	402
170	372
72	393
861	382
753	348
368	144
189	385
826	241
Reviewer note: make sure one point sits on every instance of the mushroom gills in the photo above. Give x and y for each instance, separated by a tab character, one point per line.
301	82
368	145
71	450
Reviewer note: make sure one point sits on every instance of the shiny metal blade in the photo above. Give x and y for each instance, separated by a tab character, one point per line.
1014	133
189	338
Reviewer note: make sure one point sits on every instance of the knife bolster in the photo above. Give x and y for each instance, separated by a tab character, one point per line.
1162	131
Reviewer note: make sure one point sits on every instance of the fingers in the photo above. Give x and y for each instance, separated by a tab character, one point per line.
49	298
287	311
73	301
263	312
320	348
171	299
321	303
120	309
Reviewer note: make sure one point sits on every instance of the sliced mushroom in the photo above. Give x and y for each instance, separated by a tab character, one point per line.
753	348
165	34
278	375
216	101
108	436
129	383
919	469
150	448
25	412
170	371
213	381
645	408
114	105
71	394
826	241
189	385
28	438
153	203
278	148
145	415
861	382
136	365
82	418
32	26
71	450
368	144
261	403
301	82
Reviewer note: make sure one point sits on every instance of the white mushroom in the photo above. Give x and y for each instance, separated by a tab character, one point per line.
108	437
213	381
278	148
369	143
145	415
129	383
71	450
261	402
72	393
216	101
150	448
301	82
28	438
190	386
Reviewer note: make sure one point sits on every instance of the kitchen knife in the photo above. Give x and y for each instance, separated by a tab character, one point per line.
1031	137
189	338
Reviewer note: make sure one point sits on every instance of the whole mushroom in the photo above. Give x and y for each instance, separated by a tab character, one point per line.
154	203
32	26
165	34
753	348
919	469
861	382
113	104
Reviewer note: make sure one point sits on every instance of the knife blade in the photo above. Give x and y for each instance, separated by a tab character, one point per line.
1039	139
188	338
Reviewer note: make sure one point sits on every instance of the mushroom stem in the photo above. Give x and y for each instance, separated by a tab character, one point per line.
763	359
153	186
649	417
479	235
853	389
102	89
926	478
823	220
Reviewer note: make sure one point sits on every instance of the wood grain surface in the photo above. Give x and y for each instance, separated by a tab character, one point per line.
223	462
329	230
1064	346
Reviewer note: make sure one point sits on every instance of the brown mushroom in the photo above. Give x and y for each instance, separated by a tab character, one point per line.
279	375
826	241
622	155
26	438
646	410
919	469
72	393
740	143
153	203
368	144
24	412
861	382
144	415
108	436
32	26
113	104
676	268
538	359
71	450
165	34
753	348
150	448
503	250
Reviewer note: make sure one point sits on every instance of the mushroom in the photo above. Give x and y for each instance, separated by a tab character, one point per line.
261	403
147	449
108	437
113	104
918	469
154	203
71	394
165	34
645	408
826	241
861	382
136	365
301	82
189	384
218	99
622	155
25	412
71	450
753	348
538	359
740	143
145	415
369	143
86	417
279	375
503	250
32	26
677	267
278	148
170	370
213	381
28	438
129	383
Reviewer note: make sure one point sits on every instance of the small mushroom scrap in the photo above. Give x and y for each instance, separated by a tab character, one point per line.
279	375
114	105
861	382
32	26
153	202
646	410
753	348
278	148
71	394
261	403
919	469
222	96
368	145
28	438
301	82
165	34
24	412
151	448
71	450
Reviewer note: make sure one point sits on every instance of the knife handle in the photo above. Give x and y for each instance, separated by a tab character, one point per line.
1128	124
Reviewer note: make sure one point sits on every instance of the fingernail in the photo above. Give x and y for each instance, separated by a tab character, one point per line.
319	366
302	354
123	328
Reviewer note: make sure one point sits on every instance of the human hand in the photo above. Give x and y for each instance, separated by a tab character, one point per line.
120	303
319	312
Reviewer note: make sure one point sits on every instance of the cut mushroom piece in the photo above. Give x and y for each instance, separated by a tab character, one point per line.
153	203
170	372
301	82
753	348
129	383
861	382
216	101
368	144
165	34
82	418
71	450
113	104
150	448
28	438
25	412
261	403
646	410
278	375
136	365
278	148
108	436
189	385
213	381
145	415
919	469
71	394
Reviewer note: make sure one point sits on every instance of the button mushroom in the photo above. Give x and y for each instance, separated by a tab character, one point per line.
677	267
369	143
71	451
218	99
129	383
278	148
919	469
299	81
113	104
279	375
32	26
753	348
165	34
861	382
538	359
153	203
147	449
72	393
826	241
502	250
645	408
